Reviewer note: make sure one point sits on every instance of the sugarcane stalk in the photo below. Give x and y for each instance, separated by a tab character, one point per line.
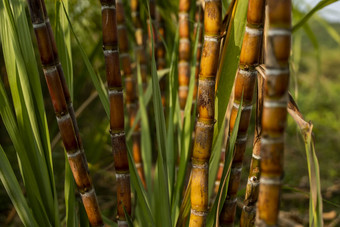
140	41
130	88
252	189
244	85
115	91
160	55
278	45
198	28
184	52
206	108
63	109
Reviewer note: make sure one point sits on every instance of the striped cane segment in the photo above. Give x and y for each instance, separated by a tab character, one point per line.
244	88
63	108
206	111
115	92
278	46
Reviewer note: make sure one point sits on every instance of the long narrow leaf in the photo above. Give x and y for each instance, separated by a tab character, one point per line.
9	181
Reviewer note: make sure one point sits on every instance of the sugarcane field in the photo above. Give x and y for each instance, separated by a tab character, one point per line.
169	113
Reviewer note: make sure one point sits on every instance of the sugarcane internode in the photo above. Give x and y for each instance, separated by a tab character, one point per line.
274	110
206	106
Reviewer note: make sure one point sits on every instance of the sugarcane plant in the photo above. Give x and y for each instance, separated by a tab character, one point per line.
244	88
115	93
63	109
206	108
278	41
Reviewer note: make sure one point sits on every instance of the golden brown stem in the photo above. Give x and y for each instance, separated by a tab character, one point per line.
244	85
184	52
130	86
278	47
115	90
63	108
205	122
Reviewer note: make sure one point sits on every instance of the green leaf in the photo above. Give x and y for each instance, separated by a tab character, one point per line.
162	194
140	191
145	132
188	126
216	209
97	82
215	157
70	199
30	116
230	61
319	6
10	182
109	222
